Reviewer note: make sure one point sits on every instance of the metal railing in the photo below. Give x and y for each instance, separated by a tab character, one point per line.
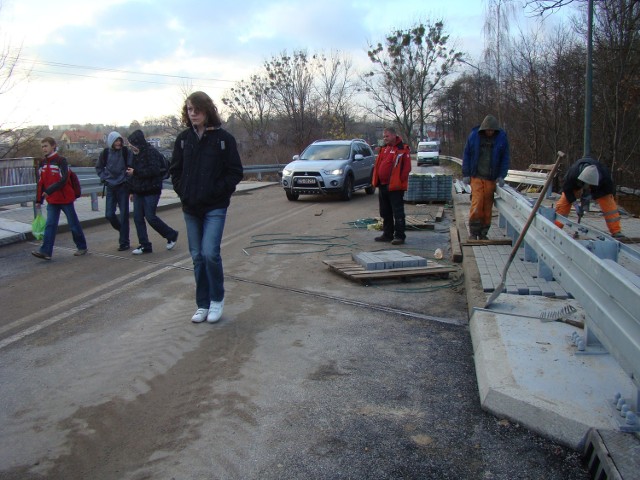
89	180
609	292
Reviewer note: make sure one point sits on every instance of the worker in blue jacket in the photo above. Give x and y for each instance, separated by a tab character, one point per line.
485	163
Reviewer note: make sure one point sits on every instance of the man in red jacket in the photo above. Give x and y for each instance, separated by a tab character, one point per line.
55	187
391	176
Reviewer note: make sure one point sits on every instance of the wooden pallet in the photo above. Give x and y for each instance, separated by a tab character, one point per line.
356	272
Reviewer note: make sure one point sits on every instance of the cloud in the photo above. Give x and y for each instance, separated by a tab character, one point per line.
87	57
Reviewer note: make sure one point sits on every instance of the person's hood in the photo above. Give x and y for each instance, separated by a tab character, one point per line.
112	137
489	123
137	139
589	175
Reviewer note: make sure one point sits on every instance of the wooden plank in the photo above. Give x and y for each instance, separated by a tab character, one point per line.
456	249
541	166
356	272
491	241
439	214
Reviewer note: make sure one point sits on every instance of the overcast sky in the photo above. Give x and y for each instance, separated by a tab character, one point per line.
116	61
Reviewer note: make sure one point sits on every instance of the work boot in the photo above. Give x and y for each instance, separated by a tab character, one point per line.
383	238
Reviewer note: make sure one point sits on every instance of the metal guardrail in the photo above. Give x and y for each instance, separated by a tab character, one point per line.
90	183
17	171
605	289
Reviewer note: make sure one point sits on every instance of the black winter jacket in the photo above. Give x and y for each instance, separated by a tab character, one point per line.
148	165
571	182
205	171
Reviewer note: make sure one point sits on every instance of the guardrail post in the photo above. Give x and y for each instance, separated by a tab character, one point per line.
544	271
94	202
547	212
605	249
530	254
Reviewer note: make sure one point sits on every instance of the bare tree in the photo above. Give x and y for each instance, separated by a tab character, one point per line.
336	89
12	127
291	93
411	66
617	78
499	15
249	102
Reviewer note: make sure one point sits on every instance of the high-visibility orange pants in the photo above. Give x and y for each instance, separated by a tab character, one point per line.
607	205
481	205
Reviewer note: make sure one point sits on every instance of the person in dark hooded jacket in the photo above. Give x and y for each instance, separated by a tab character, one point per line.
485	163
145	178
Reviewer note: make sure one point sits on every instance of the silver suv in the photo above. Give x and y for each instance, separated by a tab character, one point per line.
330	166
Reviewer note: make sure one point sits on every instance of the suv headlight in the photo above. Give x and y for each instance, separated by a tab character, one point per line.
337	171
286	173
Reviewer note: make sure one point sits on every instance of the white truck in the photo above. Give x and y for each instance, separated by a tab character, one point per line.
428	153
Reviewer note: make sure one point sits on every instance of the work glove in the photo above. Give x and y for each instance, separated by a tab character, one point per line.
501	181
466	180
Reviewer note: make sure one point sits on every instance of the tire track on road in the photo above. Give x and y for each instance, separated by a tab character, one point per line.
120	284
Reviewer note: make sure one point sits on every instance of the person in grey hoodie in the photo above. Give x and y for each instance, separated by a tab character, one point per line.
112	169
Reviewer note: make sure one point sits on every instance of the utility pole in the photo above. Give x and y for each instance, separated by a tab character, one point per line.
588	83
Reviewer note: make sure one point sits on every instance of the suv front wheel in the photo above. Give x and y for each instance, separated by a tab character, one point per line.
347	188
292	197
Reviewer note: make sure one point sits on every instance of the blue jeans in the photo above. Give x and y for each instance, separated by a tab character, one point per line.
51	227
205	235
144	206
392	212
118	196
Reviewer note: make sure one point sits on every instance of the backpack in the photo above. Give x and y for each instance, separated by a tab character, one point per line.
75	183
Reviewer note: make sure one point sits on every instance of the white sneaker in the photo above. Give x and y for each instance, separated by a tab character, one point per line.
215	311
172	243
200	315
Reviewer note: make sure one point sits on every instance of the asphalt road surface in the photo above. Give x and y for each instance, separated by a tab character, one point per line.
309	375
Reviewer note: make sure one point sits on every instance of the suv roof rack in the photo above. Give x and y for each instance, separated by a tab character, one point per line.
340	140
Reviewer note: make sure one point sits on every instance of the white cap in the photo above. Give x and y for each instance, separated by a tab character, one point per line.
589	175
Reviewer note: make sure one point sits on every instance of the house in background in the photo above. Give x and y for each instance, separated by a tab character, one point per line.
82	140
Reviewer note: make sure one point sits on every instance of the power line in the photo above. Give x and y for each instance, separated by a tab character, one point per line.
44	72
115	70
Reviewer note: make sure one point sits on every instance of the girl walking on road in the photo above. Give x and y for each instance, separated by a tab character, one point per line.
205	169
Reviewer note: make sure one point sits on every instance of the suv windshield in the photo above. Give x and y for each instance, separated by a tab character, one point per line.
326	152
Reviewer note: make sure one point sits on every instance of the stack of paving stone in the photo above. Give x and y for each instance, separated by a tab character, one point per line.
429	187
522	277
388	259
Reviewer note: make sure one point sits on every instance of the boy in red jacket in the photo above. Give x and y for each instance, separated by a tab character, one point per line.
54	186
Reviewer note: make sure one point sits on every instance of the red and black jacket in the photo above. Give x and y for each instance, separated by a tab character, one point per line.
53	180
400	158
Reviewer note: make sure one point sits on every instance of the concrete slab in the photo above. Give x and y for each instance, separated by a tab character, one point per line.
528	371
